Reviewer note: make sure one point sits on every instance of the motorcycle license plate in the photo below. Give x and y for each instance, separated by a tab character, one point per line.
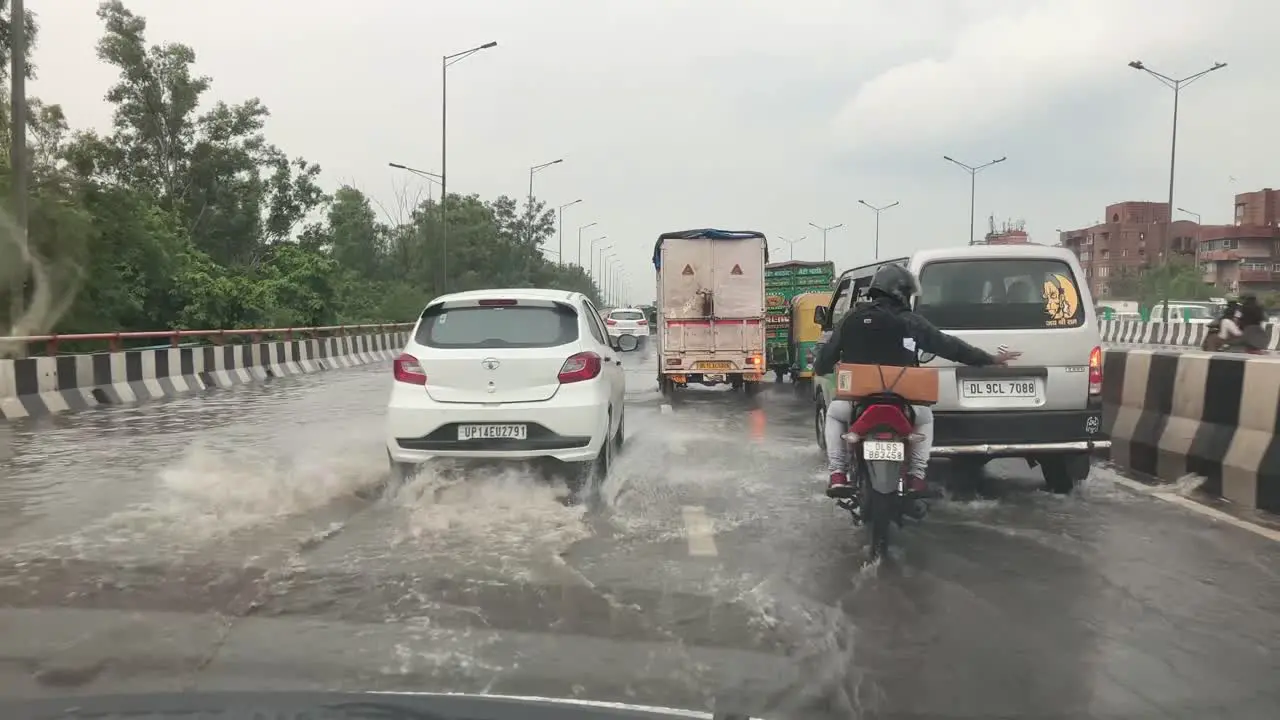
880	450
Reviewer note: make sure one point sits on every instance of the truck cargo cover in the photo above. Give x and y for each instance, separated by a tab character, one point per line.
705	234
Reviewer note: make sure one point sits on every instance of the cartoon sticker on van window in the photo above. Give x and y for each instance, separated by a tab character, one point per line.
1061	300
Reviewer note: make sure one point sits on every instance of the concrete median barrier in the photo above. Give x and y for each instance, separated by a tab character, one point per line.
1214	415
32	387
1172	335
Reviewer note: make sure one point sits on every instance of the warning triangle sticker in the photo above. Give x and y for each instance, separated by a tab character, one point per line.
737	270
688	270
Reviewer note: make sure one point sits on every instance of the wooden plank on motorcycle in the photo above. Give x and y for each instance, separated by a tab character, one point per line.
916	385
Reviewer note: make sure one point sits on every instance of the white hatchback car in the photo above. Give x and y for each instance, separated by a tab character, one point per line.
509	374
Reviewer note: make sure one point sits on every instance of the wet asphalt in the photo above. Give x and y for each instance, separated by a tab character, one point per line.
248	539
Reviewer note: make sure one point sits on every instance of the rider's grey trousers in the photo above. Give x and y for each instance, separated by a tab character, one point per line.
839	415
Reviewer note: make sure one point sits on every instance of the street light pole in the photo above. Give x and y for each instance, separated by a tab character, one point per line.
580	229
591	254
606	264
528	204
1176	86
825	230
877	211
1189	212
560	218
445	62
792	244
973	185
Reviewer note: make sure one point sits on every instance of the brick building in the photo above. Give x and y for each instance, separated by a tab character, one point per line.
1243	257
1129	239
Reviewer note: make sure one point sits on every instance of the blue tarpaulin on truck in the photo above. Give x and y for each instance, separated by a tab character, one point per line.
706	234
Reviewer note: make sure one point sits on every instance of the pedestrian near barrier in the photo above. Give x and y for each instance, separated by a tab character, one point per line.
1172	413
37	386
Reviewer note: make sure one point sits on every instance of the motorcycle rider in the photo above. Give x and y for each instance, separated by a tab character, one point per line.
885	331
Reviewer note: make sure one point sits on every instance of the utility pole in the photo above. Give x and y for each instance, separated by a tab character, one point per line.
19	163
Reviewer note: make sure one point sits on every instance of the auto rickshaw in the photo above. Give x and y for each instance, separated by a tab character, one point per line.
805	334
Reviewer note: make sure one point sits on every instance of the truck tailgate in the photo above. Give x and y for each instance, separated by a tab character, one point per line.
713	295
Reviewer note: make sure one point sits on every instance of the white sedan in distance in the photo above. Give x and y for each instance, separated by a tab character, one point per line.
627	321
518	374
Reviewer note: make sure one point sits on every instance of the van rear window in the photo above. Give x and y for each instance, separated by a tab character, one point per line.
520	326
1012	294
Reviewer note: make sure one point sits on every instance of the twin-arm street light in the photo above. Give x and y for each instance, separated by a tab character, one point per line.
877	211
1176	85
792	244
560	217
973	171
825	230
445	62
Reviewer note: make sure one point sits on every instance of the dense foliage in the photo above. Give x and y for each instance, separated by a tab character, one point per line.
183	215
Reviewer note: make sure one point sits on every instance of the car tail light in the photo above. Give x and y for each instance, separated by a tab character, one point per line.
1095	371
496	303
642	321
610	321
583	366
407	369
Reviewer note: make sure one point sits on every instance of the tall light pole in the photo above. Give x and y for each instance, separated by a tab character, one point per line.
20	162
445	62
973	185
792	244
580	229
528	204
1176	86
1189	212
560	217
606	264
825	230
877	211
591	255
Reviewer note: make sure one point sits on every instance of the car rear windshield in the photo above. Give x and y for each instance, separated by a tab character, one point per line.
519	326
626	315
1013	294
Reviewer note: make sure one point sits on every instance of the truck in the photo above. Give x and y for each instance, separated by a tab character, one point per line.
782	282
711	308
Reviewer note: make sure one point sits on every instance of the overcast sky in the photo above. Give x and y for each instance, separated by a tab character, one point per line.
740	114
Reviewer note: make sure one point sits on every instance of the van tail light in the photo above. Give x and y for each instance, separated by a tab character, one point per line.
583	366
611	321
1095	371
407	369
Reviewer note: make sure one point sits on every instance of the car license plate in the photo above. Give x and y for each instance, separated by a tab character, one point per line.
493	432
713	365
881	450
998	388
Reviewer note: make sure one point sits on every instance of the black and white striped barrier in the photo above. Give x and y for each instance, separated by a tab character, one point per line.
1170	414
46	385
1132	333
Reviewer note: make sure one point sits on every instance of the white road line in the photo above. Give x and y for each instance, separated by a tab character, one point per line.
699	531
1193	506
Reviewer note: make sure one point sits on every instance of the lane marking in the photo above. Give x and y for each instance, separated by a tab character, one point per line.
1200	508
699	531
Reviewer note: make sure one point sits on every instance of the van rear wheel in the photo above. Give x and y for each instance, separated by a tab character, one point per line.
1064	473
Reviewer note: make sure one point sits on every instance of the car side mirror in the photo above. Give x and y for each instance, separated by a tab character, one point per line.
820	316
626	343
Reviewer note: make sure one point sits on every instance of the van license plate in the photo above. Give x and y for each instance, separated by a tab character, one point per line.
880	450
493	432
1020	388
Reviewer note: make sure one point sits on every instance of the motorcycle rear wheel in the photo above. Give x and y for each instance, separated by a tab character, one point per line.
878	512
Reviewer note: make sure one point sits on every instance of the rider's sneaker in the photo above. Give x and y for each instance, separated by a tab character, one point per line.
839	486
915	506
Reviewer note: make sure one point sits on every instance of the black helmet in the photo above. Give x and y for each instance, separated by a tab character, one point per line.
896	282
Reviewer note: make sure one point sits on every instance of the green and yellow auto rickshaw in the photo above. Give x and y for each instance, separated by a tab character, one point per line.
805	334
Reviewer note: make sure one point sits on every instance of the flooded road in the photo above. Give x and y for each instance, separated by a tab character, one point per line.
246	539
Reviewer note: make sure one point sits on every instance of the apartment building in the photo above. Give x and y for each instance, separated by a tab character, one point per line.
1129	239
1244	257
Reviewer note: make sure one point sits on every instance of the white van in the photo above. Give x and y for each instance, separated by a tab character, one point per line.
1046	406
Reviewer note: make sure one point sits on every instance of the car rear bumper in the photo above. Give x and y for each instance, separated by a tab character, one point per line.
569	433
1018	433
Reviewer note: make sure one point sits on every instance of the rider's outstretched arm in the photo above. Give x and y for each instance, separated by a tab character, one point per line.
932	340
829	355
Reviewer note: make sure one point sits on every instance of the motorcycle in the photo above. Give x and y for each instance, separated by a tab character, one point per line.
879	441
